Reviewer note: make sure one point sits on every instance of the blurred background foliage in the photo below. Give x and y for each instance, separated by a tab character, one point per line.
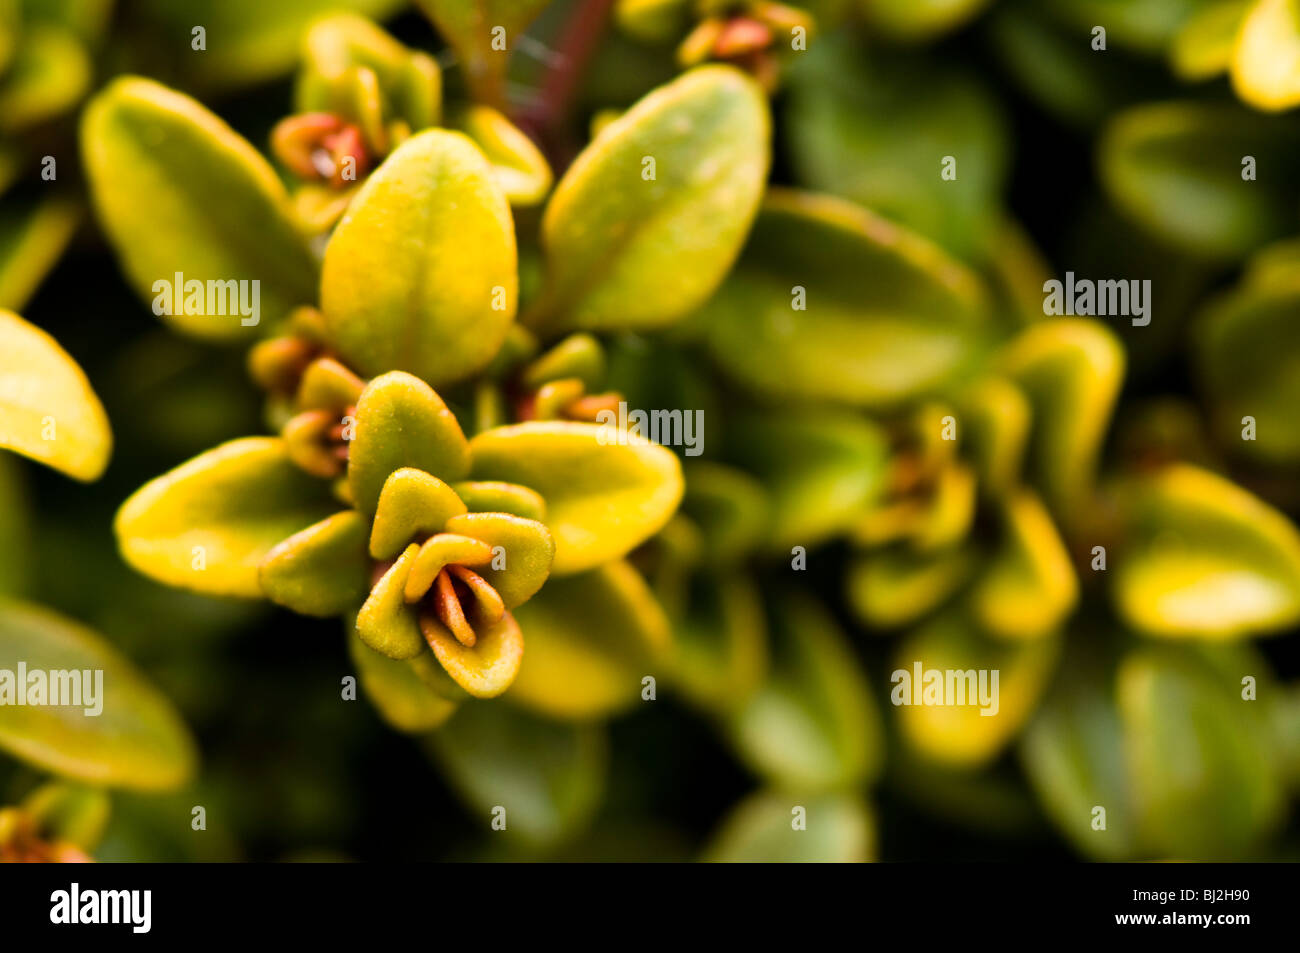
1119	688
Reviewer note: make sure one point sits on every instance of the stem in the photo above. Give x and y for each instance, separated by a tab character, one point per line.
577	43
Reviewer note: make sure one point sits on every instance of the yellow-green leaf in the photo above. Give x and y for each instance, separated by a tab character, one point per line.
518	165
548	777
759	830
1071	371
1204	558
180	192
831	302
1197	750
47	409
650	216
812	724
420	274
589	641
915	20
208	524
402	422
469	25
249	41
133	739
411	502
387	623
49	73
960	734
322	570
897	587
522	552
1029	586
493	496
404	691
487	668
31	242
1204	44
821	470
1266	56
606	491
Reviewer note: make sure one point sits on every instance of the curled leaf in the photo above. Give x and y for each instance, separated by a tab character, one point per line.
1071	371
1029	586
521	552
518	165
411	502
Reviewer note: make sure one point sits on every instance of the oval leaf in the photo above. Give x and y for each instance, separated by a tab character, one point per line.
1266	56
840	829
606	491
886	315
209	524
549	777
649	218
1196	750
181	193
133	739
420	274
1205	559
47	409
1175	168
590	640
961	734
402	422
405	692
323	570
812	724
1246	347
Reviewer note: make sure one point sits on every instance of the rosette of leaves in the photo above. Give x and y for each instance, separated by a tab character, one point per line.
420	277
444	536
